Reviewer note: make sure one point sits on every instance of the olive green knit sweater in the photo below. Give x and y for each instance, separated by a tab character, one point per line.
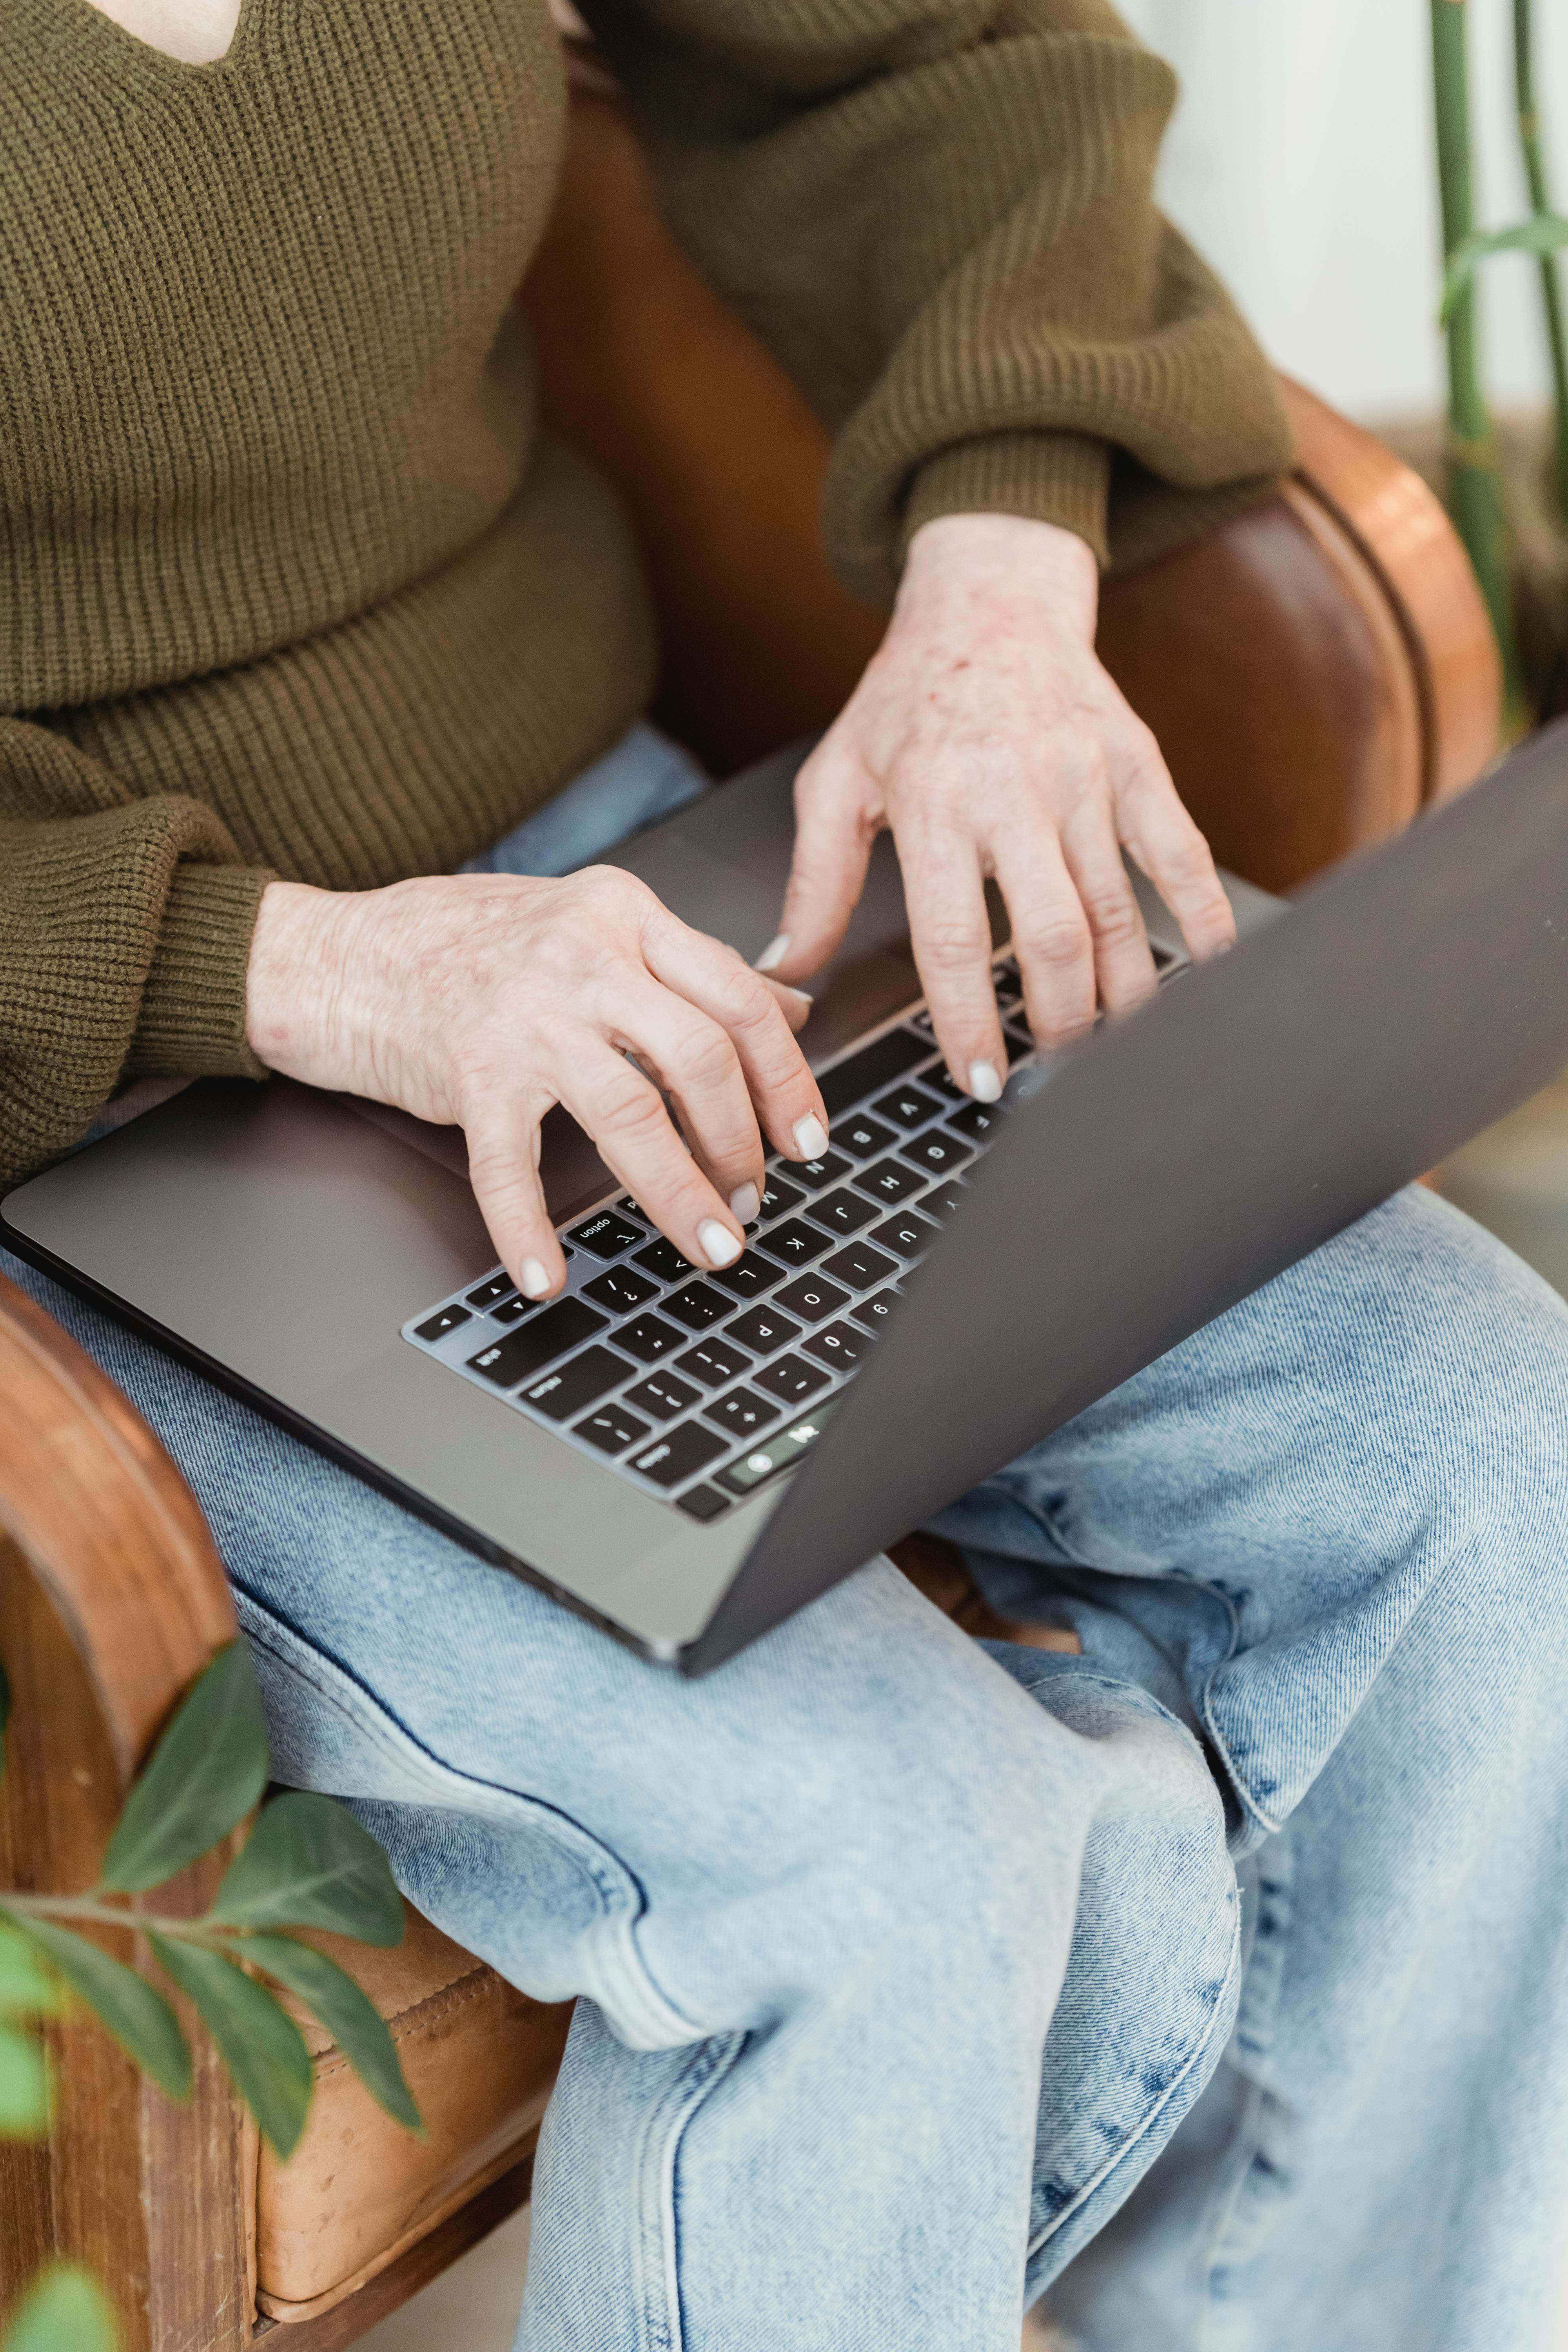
290	584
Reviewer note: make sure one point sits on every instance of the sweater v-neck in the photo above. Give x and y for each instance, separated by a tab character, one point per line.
117	49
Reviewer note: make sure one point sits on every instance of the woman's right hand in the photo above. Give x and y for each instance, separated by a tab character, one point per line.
481	1000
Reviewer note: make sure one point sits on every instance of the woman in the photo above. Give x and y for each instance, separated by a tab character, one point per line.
900	1963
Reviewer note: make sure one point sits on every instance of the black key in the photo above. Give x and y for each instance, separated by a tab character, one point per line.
908	1233
679	1455
650	1337
663	1395
924	1024
863	1135
742	1413
791	1243
537	1343
633	1208
890	1181
945	1084
779	1197
947	1199
873	1066
1020	1046
444	1320
792	1378
620	1290
513	1311
860	1265
909	1106
714	1362
703	1502
874	1313
699	1304
764	1330
842	1211
775	1453
749	1277
489	1294
981	1122
664	1261
937	1153
612	1429
840	1346
811	1298
570	1387
814	1173
607	1234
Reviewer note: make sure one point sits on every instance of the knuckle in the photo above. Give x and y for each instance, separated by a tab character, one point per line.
703	1058
1113	917
955	945
629	1109
1057	941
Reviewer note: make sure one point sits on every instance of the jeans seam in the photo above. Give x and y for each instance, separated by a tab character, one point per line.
660	2320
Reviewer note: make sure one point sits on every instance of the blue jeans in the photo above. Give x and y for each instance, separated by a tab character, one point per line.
1215	1979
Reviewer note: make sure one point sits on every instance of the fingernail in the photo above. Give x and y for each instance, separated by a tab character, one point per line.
745	1201
773	954
984	1083
535	1281
805	994
719	1247
810	1137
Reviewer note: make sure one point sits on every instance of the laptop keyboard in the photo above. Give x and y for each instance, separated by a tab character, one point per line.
700	1387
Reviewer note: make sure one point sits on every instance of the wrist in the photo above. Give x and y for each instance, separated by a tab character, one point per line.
295	983
988	558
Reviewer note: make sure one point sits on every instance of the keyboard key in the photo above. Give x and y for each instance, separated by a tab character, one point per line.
749	1277
633	1208
513	1311
875	1313
1020	1046
664	1395
650	1337
863	1135
491	1292
937	1153
764	1331
842	1211
778	1197
444	1320
742	1413
714	1362
817	1174
537	1343
840	1347
981	1122
944	1083
775	1453
699	1304
702	1503
889	1181
874	1065
860	1265
791	1243
570	1387
607	1234
909	1106
620	1290
925	1026
612	1429
792	1378
946	1200
679	1455
664	1261
811	1297
909	1234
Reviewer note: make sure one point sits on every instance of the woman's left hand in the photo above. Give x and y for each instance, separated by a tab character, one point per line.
986	734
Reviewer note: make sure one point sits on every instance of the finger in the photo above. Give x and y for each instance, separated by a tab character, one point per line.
1123	962
692	1058
794	1003
950	931
503	1169
834	826
621	1109
1051	937
711	977
1168	846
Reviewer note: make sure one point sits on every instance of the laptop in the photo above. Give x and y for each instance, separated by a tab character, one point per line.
686	1457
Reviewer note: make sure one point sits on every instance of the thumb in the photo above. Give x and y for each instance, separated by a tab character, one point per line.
834	828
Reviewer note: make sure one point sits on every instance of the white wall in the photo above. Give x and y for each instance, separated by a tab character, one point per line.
1300	163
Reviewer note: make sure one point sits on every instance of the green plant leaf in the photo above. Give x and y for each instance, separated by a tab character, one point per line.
134	2011
349	2017
204	1775
260	2043
26	1989
64	2310
1543	233
308	1864
24	2087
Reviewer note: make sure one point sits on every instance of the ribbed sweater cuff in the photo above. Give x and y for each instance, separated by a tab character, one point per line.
192	1020
1060	478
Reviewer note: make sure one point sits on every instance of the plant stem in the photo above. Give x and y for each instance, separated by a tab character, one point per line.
1533	148
1475	498
99	1914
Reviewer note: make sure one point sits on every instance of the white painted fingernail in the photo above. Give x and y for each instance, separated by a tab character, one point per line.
745	1201
535	1281
984	1083
773	954
805	994
719	1247
810	1137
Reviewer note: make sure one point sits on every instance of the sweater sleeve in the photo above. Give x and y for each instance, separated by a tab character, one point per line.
125	929
940	215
